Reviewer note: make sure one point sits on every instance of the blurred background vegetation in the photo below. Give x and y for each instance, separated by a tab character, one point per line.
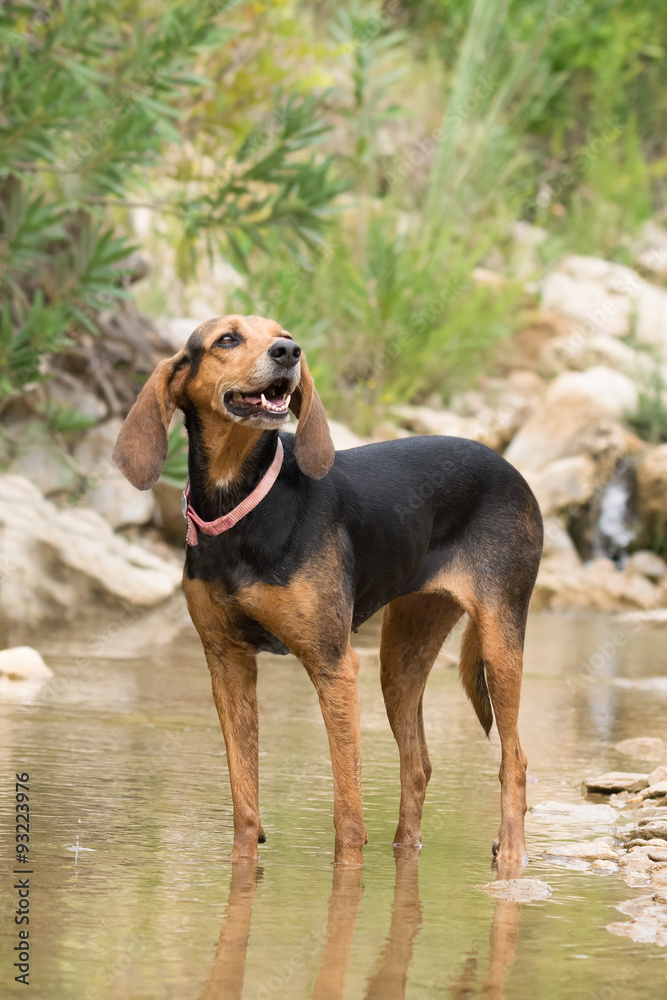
347	168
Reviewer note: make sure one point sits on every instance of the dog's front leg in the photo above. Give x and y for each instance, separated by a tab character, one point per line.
336	687
234	682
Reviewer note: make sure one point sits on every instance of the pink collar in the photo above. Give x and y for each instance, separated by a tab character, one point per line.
228	521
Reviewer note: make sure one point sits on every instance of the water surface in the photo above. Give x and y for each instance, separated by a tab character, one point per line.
127	764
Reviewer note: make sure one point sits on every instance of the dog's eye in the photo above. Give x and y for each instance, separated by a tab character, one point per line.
227	340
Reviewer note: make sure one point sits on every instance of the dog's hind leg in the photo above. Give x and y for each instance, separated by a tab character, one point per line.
501	634
413	630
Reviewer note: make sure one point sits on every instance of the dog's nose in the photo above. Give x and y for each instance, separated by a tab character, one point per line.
285	352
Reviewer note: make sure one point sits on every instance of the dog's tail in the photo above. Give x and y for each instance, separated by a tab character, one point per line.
473	678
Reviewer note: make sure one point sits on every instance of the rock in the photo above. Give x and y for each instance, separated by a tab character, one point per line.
22	673
597	585
577	813
651	474
577	415
649	565
565	482
558	545
604	866
106	490
93	453
651	249
388	431
23	663
642	748
176	332
592	850
47	466
647	830
344	438
658	855
61	564
617	781
648	924
121	503
659	774
490	425
604	298
520	890
581	353
76	397
636	861
656	791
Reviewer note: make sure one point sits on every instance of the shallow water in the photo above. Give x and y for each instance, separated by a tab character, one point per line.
126	760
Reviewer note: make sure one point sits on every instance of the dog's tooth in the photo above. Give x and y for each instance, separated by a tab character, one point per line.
287	399
263	398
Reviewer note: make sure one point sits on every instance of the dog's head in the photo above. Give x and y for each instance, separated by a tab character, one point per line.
244	368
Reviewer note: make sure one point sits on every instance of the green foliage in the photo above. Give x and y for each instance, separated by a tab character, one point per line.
97	98
354	161
392	328
175	470
651	418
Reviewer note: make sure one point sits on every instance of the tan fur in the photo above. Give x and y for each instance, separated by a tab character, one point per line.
490	668
313	447
471	672
141	448
413	631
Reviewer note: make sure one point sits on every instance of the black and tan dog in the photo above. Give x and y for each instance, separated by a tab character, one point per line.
427	528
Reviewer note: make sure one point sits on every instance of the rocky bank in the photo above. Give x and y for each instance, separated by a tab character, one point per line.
74	532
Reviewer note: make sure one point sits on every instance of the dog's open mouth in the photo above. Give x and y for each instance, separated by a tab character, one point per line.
273	401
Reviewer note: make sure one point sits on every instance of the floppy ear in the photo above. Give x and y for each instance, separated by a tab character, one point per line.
313	448
141	447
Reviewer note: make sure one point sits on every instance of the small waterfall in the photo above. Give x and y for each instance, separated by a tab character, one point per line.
616	527
607	525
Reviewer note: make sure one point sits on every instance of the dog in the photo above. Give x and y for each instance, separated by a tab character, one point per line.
292	545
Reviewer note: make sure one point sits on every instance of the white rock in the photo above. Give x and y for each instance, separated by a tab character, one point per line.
177	331
93	453
520	890
120	503
558	545
648	564
598	585
648	924
604	867
564	352
652	250
562	483
47	467
576	407
490	426
343	437
23	663
108	492
62	563
617	781
593	850
22	673
604	298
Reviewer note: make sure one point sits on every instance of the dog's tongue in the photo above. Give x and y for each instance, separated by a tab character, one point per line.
253	399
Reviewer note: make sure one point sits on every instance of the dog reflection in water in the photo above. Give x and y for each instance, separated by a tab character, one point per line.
389	980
